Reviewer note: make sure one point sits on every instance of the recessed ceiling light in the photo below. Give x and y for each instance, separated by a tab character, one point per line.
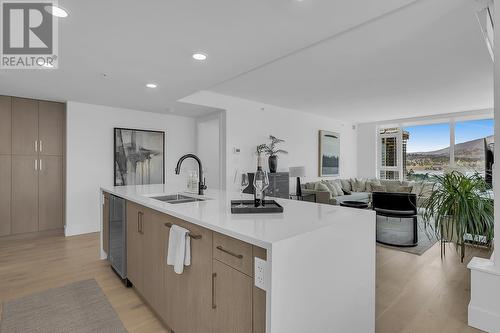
151	85
199	56
56	11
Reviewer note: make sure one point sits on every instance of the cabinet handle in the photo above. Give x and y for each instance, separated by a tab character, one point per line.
36	146
36	165
138	228
139	222
220	248
41	164
41	145
214	305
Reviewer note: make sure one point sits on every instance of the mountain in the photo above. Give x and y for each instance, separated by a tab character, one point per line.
469	149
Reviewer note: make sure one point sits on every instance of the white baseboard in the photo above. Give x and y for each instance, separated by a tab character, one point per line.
79	230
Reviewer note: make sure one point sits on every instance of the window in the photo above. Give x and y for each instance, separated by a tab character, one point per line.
471	140
389	163
428	151
423	151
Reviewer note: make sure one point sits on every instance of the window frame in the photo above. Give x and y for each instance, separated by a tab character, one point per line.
451	121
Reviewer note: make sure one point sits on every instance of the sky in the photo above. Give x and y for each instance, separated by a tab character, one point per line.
437	136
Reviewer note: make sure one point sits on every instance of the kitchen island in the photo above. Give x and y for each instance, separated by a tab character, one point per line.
316	271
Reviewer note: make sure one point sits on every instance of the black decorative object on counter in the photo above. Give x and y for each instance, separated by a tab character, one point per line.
272	151
270	206
273	163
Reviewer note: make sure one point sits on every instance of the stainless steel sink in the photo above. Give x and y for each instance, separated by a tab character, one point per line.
176	198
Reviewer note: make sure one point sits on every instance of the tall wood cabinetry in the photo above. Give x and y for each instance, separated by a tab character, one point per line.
5	164
31	164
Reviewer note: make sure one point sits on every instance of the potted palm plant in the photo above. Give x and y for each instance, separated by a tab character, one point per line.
272	151
460	205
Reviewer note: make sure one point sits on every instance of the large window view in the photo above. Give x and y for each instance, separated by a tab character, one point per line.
427	150
424	151
471	139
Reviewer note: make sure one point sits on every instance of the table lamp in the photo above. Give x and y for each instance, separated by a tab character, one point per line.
298	172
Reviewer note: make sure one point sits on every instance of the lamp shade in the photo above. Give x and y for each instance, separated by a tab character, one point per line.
299	171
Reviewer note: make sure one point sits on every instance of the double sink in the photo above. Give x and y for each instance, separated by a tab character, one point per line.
177	198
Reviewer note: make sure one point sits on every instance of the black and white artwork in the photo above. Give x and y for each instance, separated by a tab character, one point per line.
329	153
139	157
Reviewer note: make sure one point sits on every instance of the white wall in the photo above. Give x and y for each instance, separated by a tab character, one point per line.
208	148
89	156
484	306
249	123
367	151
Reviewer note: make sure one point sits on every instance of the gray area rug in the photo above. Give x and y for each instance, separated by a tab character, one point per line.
426	239
79	307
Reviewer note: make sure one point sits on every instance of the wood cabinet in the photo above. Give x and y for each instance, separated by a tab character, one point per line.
135	217
24	194
105	223
233	252
189	295
50	128
232	300
32	135
215	294
154	262
24	126
5	193
5	124
50	193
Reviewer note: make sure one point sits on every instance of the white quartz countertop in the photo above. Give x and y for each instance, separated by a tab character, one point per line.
262	230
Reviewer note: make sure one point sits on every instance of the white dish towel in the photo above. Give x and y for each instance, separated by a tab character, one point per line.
179	248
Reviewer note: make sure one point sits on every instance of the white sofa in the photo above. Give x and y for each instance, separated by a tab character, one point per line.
354	190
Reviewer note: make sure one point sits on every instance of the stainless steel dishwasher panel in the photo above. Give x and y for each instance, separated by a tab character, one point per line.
118	235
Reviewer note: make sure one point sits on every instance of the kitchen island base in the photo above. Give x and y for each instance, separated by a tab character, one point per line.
322	280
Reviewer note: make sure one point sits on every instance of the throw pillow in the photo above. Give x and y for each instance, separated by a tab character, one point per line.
404	189
379	188
331	188
370	183
346	185
320	187
390	184
358	185
338	187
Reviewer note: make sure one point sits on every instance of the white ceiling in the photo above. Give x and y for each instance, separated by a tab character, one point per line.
135	42
420	57
425	59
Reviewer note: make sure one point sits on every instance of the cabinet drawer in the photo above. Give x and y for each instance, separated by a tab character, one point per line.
234	253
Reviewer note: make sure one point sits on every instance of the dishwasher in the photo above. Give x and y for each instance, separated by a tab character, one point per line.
118	235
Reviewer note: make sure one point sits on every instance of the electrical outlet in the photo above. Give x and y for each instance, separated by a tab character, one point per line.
261	274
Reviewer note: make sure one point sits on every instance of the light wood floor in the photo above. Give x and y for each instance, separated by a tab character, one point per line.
414	293
423	293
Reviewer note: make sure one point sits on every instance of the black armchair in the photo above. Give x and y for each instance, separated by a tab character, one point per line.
396	218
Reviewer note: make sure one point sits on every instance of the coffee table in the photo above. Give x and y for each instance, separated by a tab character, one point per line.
354	204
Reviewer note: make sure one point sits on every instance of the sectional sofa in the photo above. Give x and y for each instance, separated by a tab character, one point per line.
334	191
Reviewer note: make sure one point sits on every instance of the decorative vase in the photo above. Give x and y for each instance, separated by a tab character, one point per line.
273	163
